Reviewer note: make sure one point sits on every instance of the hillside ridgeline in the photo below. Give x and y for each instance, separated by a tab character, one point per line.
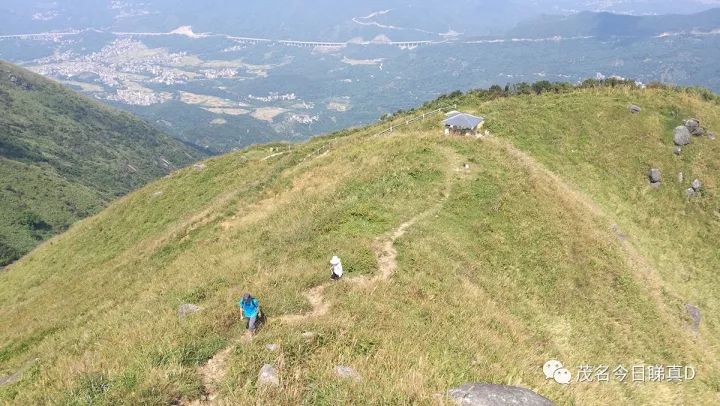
64	157
544	240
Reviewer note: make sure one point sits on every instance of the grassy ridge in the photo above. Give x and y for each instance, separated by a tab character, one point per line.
677	235
64	157
519	264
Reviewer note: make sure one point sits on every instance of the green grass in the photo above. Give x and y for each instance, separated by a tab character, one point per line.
64	157
518	265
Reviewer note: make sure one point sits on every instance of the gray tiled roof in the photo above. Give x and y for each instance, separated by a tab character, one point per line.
464	121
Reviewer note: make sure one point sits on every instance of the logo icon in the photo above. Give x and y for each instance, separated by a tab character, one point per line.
550	367
562	376
553	369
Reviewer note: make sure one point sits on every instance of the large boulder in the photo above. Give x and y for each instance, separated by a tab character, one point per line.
268	376
482	394
655	175
681	136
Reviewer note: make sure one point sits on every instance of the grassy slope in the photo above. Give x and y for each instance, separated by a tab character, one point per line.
63	157
517	267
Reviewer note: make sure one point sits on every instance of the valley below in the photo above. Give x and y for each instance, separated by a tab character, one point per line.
224	92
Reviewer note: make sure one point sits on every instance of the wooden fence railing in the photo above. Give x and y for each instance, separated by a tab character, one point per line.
416	118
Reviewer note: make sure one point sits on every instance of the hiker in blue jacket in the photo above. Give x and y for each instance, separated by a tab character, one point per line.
250	308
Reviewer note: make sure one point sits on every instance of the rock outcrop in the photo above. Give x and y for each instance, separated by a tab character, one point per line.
681	136
480	394
693	125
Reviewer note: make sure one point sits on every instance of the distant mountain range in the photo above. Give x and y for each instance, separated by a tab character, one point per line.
63	156
610	25
312	20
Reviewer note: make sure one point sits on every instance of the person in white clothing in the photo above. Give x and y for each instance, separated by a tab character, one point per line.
336	267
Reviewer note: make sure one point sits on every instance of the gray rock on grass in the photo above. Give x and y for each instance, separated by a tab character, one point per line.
681	136
268	376
479	394
346	372
696	185
633	108
712	136
187	309
677	151
695	316
272	347
690	192
655	175
691	123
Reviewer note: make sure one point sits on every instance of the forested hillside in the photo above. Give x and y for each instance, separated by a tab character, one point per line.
64	156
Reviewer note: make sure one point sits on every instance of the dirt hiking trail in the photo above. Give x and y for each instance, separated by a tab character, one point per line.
215	369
